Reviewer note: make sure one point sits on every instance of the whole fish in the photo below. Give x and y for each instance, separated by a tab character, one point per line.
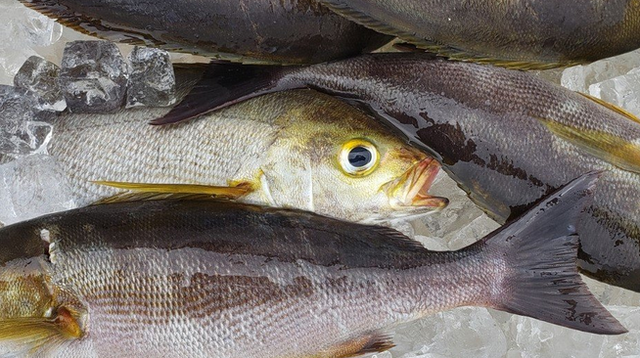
507	137
302	150
524	34
218	279
258	31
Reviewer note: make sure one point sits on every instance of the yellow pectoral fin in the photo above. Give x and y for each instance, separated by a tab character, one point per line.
32	334
608	147
612	107
233	192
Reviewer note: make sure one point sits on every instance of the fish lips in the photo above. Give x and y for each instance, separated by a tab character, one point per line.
409	193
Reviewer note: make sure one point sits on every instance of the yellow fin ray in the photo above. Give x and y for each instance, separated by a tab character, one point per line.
31	334
612	107
145	191
608	147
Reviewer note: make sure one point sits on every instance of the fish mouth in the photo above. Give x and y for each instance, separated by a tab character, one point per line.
411	190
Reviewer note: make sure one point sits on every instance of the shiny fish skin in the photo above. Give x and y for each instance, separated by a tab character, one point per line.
284	145
517	33
202	278
490	128
257	31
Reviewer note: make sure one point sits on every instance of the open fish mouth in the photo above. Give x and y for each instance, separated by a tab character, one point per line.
410	190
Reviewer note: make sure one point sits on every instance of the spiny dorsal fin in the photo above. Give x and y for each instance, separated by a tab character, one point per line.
612	107
422	44
608	147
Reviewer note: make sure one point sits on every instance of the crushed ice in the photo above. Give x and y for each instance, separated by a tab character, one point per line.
31	184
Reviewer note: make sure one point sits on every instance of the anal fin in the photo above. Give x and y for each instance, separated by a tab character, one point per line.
370	343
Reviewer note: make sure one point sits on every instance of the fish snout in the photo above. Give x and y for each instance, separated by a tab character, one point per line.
411	190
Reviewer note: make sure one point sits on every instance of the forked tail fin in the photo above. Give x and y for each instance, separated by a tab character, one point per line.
539	252
224	84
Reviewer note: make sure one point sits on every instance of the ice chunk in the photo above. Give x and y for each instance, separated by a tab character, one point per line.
153	82
21	129
25	33
40	78
94	77
623	91
579	78
32	186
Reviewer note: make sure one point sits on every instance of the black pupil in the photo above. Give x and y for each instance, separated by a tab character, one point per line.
360	157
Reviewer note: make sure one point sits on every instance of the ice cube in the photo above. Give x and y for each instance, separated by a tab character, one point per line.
32	186
25	32
153	82
40	78
623	91
22	130
94	77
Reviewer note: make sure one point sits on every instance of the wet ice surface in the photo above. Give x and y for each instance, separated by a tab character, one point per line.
39	78
615	80
32	186
153	82
94	77
465	332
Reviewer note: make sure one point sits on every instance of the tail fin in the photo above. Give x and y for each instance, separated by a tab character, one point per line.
224	84
540	250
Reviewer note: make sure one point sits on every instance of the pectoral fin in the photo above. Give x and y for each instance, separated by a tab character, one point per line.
608	147
31	334
144	191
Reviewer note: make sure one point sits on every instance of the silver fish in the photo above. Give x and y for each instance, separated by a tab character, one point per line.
176	279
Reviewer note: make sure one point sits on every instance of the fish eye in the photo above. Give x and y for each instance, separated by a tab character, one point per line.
358	157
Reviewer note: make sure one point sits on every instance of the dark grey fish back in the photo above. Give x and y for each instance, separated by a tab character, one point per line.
226	227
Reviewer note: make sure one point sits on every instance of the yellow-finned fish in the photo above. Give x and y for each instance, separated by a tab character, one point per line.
299	149
199	279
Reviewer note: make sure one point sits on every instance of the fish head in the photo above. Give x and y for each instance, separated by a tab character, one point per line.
338	161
